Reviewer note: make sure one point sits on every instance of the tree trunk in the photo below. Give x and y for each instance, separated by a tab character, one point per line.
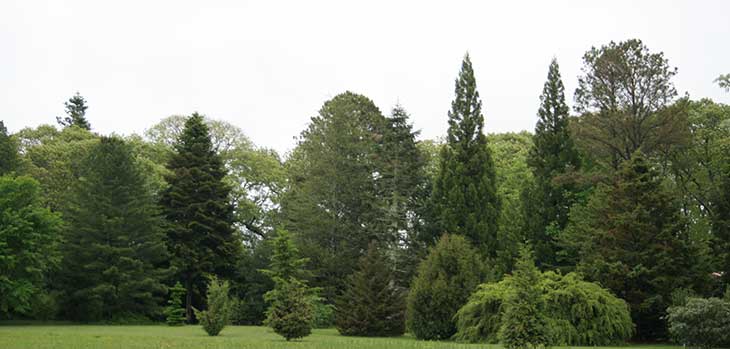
189	300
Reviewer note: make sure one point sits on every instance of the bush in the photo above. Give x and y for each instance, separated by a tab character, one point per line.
480	318
323	313
701	322
175	312
371	305
216	317
290	314
445	279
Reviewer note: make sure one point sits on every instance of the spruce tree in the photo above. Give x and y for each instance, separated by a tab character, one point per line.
218	307
175	311
76	113
464	199
372	304
114	250
198	210
8	151
551	157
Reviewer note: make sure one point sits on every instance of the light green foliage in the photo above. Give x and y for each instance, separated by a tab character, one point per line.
480	318
217	314
323	313
175	312
703	323
445	279
29	238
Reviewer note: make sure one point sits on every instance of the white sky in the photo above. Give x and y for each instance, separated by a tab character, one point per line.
268	66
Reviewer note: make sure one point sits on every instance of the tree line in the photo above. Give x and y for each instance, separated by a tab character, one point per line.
627	198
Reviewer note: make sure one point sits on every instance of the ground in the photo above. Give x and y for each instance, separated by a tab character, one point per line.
239	337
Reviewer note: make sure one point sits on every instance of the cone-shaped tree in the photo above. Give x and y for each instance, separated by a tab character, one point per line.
8	151
175	311
552	155
76	113
464	195
198	210
372	304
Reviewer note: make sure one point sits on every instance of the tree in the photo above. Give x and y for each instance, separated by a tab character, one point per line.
198	210
724	81
115	254
217	315
631	238
29	239
703	323
464	198
445	279
9	160
76	111
524	322
175	311
372	304
623	96
552	155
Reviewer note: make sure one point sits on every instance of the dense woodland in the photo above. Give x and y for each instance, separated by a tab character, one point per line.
589	230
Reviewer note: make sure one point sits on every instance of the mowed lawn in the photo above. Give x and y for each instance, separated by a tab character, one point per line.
243	337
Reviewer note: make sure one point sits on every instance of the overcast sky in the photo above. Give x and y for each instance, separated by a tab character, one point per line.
268	66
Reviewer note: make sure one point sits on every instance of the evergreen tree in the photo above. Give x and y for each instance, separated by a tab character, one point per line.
552	155
199	214
8	151
445	279
524	324
217	315
372	304
175	311
464	195
114	248
76	113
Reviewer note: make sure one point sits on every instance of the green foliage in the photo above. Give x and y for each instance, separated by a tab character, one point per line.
29	238
371	305
445	279
198	210
175	312
723	81
114	249
290	314
464	198
76	111
703	323
217	314
480	319
323	313
9	160
524	320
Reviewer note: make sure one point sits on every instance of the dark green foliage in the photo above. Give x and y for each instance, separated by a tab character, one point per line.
217	315
552	155
372	304
445	279
9	160
290	314
464	199
29	238
175	311
76	113
703	323
723	81
198	210
631	238
114	249
250	284
524	321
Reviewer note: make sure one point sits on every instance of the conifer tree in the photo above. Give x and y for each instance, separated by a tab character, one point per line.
217	314
198	210
175	311
552	155
114	250
76	113
464	199
8	151
372	304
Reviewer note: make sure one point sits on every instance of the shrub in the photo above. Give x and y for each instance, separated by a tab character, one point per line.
216	317
445	279
290	314
371	305
323	313
701	322
480	318
175	312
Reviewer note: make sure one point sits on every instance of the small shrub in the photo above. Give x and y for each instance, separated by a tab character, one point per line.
216	317
290	314
701	322
324	313
175	312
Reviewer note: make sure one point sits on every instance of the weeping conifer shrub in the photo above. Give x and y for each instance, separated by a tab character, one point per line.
578	312
216	317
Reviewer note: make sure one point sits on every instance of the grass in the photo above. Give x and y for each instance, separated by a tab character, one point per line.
240	337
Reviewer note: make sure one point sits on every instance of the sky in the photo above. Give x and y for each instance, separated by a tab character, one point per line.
268	66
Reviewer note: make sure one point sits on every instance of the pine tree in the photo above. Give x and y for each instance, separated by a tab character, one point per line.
175	312
199	214
114	248
464	199
552	155
8	151
372	304
524	324
76	111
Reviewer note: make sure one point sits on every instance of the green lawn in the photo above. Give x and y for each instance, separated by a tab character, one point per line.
243	337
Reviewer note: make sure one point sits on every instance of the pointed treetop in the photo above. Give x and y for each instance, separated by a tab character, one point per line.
76	111
465	117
